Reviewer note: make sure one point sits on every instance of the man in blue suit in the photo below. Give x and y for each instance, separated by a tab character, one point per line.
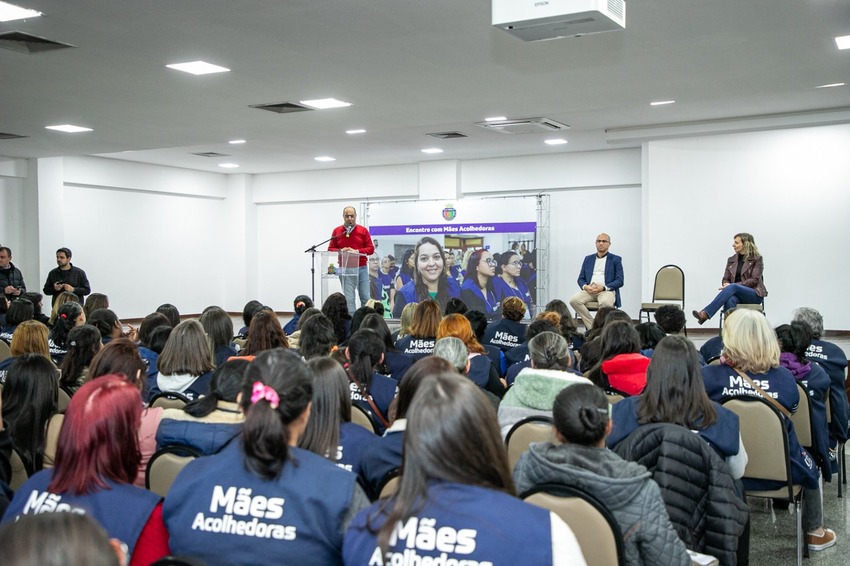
600	280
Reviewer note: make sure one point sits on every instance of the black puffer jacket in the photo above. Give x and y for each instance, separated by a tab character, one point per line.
700	494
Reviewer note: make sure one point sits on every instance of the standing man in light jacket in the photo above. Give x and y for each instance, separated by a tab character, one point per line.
600	279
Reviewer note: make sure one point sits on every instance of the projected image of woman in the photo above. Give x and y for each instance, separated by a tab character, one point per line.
508	282
477	289
429	278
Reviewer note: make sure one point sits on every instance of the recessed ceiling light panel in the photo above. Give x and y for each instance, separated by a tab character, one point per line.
325	103
495	119
229	165
843	42
10	12
662	102
555	141
325	158
432	150
830	85
236	142
69	128
357	131
198	68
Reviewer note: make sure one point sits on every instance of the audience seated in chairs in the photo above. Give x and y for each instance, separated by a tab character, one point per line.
294	337
751	357
97	459
453	453
384	456
265	467
536	386
625	488
208	423
330	432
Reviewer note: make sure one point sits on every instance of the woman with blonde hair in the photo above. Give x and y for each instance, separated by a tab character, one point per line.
743	280
750	367
423	330
30	337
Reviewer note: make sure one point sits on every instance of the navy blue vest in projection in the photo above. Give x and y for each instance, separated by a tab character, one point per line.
221	513
121	509
459	524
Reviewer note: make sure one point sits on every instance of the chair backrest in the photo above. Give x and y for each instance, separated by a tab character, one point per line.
165	465
19	471
51	441
169	400
765	439
669	284
526	431
5	351
389	483
614	398
362	417
595	528
64	399
802	419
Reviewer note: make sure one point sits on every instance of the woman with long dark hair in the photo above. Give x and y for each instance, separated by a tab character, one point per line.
335	308
675	394
262	498
625	488
219	329
429	278
396	362
453	453
208	423
622	367
477	290
83	344
70	314
330	432
370	388
20	310
403	276
97	457
29	400
743	279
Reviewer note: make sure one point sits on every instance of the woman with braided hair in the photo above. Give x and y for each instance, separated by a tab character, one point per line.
535	387
261	496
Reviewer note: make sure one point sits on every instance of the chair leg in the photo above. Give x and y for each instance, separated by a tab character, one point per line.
839	480
800	538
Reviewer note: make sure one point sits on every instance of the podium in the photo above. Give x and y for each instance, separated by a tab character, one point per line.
332	270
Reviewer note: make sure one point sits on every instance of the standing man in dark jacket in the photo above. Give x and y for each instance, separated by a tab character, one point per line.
11	279
66	277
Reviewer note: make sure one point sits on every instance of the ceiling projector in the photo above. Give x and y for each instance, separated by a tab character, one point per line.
539	20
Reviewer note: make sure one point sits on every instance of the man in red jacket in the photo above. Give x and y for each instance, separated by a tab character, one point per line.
351	239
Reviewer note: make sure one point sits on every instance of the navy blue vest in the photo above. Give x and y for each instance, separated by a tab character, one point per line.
505	334
832	359
354	441
121	509
475	299
417	348
221	513
462	523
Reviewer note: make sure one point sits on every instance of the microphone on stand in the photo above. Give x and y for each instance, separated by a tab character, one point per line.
348	229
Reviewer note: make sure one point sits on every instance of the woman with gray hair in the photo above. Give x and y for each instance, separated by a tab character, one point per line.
536	387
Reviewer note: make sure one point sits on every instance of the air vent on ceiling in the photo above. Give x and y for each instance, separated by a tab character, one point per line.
4	136
211	154
524	126
448	135
28	43
282	107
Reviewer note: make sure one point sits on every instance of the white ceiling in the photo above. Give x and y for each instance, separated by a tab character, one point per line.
409	67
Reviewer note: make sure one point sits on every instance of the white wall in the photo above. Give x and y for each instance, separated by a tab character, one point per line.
789	188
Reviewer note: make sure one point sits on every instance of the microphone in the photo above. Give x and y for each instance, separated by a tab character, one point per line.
348	229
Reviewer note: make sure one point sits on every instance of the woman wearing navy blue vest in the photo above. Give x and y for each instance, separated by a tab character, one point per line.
675	394
456	498
330	432
477	290
750	346
508	282
429	278
370	387
96	461
423	331
397	363
261	499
